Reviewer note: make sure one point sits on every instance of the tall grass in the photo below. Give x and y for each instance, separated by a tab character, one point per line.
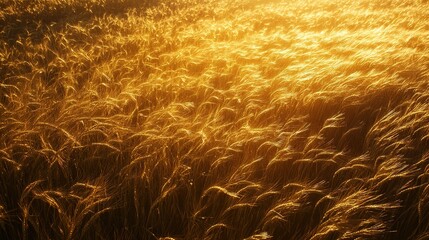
212	119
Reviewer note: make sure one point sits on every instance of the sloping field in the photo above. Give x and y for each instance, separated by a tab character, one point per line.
214	119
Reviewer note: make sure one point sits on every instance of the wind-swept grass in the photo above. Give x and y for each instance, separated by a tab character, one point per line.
210	119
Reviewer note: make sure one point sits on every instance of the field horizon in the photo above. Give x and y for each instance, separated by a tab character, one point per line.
206	119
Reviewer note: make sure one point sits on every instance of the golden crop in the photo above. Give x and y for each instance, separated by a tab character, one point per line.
214	119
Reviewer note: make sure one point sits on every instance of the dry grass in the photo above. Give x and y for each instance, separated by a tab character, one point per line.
204	119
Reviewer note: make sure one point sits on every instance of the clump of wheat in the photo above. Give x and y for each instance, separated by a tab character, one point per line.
186	119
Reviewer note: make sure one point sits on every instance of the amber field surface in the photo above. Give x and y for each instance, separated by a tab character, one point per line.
214	119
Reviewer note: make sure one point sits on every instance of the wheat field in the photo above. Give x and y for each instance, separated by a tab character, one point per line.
214	119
